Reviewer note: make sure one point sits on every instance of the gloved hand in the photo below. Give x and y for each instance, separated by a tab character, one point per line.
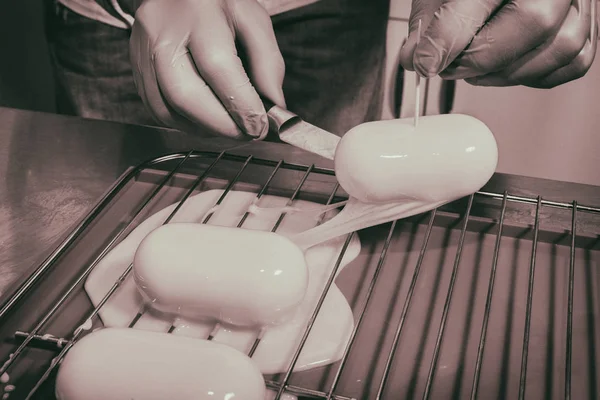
536	43
184	55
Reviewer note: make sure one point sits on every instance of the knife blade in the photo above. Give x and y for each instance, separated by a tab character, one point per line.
291	129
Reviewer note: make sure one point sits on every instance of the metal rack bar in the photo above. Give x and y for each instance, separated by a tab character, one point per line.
529	301
346	353
314	317
534	200
569	349
300	391
405	308
255	344
292	198
330	172
294	195
58	342
195	185
261	192
438	343
227	189
329	201
137	316
488	303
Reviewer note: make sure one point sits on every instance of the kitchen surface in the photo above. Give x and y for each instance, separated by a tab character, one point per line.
493	296
56	169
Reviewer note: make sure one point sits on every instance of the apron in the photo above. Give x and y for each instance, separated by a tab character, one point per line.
119	13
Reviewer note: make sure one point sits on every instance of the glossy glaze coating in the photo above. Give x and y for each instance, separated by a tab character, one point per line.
445	157
331	330
237	276
117	364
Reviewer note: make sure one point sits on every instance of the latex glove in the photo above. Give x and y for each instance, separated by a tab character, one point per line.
536	43
184	55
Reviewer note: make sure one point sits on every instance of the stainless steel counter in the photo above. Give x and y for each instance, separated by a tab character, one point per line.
53	169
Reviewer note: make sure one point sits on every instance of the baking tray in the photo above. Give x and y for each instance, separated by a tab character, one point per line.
493	296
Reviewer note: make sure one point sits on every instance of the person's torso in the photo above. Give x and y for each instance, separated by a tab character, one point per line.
119	13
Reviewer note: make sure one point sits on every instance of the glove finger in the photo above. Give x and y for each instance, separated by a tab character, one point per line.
136	65
557	52
188	94
569	72
421	10
575	70
516	29
449	32
255	32
145	78
554	63
213	50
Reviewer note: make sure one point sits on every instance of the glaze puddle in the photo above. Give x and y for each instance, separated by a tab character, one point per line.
333	326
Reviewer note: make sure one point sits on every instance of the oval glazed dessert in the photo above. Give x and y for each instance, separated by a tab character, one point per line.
445	157
122	363
236	276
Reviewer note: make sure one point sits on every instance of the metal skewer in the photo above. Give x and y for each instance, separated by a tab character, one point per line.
418	84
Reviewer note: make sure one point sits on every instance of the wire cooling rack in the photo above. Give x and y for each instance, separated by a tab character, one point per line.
40	324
